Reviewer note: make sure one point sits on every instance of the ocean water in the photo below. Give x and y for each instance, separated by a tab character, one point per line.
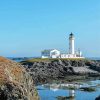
94	58
52	91
18	59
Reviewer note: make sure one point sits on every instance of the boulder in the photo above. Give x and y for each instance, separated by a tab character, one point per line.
15	82
98	98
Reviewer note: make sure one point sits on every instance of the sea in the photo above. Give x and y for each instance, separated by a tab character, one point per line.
19	59
61	91
67	91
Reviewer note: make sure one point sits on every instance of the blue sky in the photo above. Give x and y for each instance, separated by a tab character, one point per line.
29	26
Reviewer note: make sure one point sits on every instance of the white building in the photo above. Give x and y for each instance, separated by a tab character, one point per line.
54	53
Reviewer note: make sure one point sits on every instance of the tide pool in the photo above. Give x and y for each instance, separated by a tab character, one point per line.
53	91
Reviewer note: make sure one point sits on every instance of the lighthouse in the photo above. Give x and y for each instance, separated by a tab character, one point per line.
54	53
71	44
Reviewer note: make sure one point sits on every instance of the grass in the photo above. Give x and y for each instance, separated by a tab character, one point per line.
52	59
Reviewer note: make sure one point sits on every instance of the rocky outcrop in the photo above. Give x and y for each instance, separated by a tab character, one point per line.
95	65
98	98
44	70
15	82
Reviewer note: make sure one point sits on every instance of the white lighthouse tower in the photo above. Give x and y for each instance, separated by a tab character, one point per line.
71	44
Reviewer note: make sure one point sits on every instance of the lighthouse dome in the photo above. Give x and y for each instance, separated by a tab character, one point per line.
71	34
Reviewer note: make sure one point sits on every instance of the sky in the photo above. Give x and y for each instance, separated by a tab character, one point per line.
29	26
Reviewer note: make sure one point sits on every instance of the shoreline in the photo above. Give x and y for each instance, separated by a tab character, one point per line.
49	70
65	81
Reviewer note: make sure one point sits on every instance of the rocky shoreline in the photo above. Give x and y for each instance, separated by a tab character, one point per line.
49	70
18	80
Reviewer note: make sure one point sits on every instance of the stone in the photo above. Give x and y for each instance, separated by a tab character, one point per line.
15	82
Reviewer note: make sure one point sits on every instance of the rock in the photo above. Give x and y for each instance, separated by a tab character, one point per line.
95	65
65	98
88	89
47	70
15	82
83	70
98	98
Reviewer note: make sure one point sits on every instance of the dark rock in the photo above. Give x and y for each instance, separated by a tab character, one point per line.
98	98
95	65
61	68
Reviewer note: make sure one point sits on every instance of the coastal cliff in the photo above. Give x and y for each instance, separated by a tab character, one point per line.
46	70
15	82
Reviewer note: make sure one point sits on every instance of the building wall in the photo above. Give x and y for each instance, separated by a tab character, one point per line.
50	54
55	54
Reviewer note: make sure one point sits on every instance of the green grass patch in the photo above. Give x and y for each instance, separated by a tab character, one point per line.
52	59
